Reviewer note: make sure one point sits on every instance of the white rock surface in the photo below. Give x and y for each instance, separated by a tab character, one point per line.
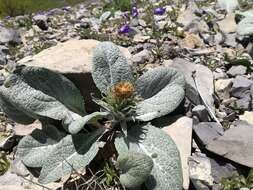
203	77
236	144
181	132
247	116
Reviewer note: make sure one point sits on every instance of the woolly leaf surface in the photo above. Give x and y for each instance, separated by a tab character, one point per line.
72	153
79	124
109	66
152	141
162	89
135	168
39	92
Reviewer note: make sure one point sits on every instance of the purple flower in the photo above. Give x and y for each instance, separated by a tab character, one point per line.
159	11
125	29
135	12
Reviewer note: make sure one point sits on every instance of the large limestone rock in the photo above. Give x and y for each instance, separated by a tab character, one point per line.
203	84
73	59
181	132
236	144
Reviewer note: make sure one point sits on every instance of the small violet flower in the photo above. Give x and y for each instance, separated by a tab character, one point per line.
125	29
135	12
159	11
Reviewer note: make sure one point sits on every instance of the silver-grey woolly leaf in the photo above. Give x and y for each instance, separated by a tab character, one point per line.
72	153
79	124
13	113
121	145
245	27
135	168
162	89
35	148
152	141
39	92
109	66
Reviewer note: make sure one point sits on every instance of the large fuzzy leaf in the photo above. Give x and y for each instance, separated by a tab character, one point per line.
58	155
13	112
37	93
245	27
162	90
109	66
71	154
35	148
77	125
167	172
248	13
135	168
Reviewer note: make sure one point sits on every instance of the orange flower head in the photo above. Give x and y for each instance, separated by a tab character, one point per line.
123	90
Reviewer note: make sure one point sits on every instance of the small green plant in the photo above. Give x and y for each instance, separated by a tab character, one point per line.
21	7
140	153
115	5
4	163
238	182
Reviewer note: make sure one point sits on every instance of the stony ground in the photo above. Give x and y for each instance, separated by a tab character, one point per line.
211	43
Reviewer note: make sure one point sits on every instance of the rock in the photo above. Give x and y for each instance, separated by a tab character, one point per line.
240	86
219	74
181	132
243	104
19	168
73	59
203	78
230	40
11	181
41	21
3	59
228	5
222	169
200	112
191	41
200	172
237	70
247	116
186	17
236	144
140	38
222	88
228	25
9	36
239	123
250	49
142	57
218	38
8	143
207	132
197	26
23	130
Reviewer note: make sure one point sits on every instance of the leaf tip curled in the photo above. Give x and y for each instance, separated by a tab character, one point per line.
135	168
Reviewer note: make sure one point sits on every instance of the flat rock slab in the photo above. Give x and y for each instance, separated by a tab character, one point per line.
236	144
23	130
203	84
207	132
73	59
181	132
73	56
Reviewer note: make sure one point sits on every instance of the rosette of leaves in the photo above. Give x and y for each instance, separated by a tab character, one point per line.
146	153
33	93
